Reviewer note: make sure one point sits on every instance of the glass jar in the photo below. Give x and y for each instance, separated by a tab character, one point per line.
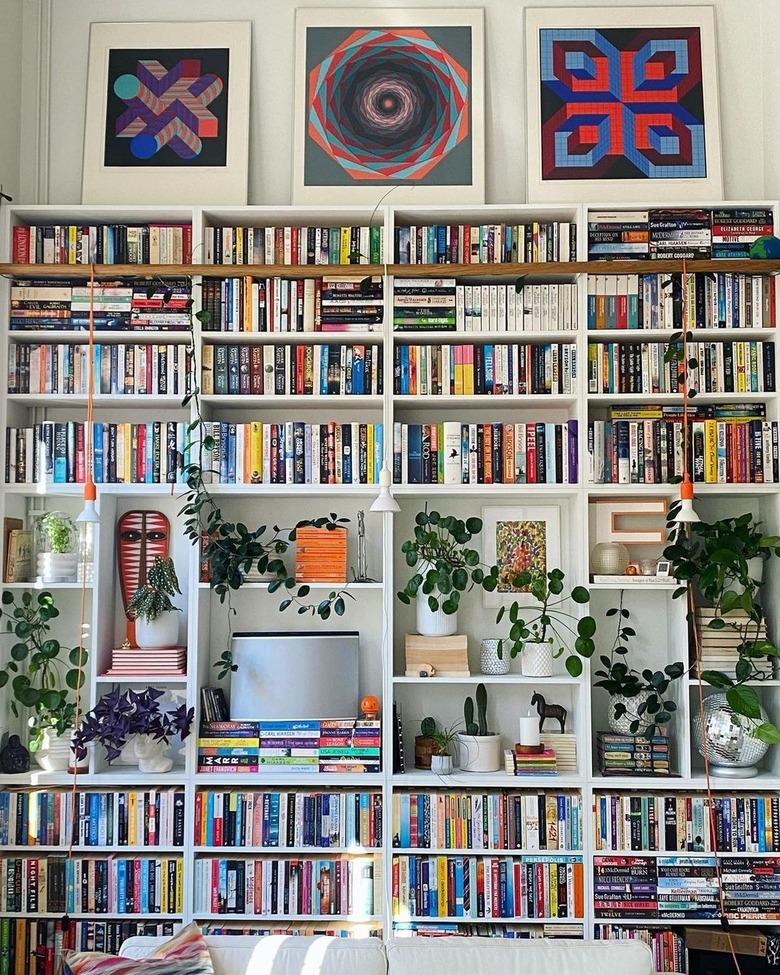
57	547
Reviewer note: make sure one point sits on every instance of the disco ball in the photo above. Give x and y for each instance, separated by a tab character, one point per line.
725	738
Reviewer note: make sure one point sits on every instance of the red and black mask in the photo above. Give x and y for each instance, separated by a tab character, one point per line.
142	536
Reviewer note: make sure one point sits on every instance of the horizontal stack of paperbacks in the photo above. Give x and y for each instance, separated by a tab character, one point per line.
722	367
153	370
487	821
443	305
670	823
326	304
348	820
684	887
676	233
655	301
719	645
491	887
154	243
99	885
123	453
466	370
294	245
733	444
125	818
668	947
485	453
292	370
294	452
137	305
633	754
498	243
297	887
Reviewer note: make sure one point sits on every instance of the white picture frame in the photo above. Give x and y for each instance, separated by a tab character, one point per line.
112	172
496	529
317	176
620	190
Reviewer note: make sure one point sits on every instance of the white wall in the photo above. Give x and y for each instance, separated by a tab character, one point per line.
10	87
747	61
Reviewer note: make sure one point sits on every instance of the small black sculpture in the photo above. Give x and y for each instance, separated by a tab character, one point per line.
555	711
14	757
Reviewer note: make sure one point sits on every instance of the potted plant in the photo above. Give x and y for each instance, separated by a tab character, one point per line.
445	567
41	680
57	548
479	749
443	741
119	717
156	622
424	744
548	633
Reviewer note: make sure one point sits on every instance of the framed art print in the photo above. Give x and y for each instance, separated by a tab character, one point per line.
167	113
517	539
389	103
622	104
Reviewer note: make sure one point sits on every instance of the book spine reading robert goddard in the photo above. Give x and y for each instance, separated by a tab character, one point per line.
682	823
490	887
487	821
157	243
445	370
734	444
721	300
327	304
486	243
294	245
63	369
298	887
443	305
138	305
51	818
123	453
99	885
292	370
712	367
668	946
295	452
485	453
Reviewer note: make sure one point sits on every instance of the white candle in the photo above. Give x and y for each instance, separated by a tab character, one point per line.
529	730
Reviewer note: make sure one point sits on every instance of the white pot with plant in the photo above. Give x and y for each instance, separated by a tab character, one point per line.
444	741
479	749
156	618
57	557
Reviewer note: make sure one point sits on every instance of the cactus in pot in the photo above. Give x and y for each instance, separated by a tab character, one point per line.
480	749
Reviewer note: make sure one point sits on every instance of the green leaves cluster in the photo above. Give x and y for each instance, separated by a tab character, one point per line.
153	599
60	531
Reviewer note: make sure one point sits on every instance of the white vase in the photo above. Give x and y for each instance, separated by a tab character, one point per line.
55	753
441	764
151	755
489	661
158	634
57	567
479	753
536	659
622	725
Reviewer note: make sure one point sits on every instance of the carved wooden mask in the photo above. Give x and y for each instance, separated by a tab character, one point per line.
141	537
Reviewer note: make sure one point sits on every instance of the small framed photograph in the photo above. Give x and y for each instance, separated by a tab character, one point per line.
663	569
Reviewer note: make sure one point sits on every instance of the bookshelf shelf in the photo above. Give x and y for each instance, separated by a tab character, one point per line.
148	680
102	336
479	780
673	399
289	338
323	586
336	918
48	586
529	400
277	851
440	337
314	780
471	852
495	490
93	850
555	681
130	401
334	402
421	919
664	334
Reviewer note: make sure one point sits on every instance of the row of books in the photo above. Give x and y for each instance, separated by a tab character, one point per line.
340	887
676	233
712	367
298	929
104	885
288	819
672	823
513	931
719	300
484	370
144	305
500	887
732	444
719	646
327	304
291	370
485	453
152	370
633	754
487	821
498	243
667	946
444	305
154	243
125	818
294	245
123	453
294	452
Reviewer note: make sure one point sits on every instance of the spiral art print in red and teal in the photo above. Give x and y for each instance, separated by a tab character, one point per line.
622	103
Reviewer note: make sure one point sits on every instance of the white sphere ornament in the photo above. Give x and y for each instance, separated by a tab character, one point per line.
609	559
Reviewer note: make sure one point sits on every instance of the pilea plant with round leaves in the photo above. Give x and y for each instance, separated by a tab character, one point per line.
446	564
41	680
550	624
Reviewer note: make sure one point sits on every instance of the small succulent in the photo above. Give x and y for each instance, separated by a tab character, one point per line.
154	598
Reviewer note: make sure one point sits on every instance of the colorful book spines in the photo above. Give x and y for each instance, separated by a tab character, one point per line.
486	243
294	245
102	244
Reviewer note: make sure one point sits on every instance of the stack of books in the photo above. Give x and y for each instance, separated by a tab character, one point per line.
677	234
618	235
321	555
498	243
424	303
633	755
521	763
229	746
733	231
127	661
350	745
663	888
750	888
289	746
103	244
565	748
688	887
354	304
719	647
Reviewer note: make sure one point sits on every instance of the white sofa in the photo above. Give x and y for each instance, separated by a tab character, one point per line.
280	955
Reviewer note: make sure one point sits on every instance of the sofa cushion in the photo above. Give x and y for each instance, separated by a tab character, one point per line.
186	953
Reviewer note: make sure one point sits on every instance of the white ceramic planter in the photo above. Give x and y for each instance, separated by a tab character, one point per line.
489	661
56	567
622	725
151	755
158	634
536	660
441	764
430	623
477	753
56	755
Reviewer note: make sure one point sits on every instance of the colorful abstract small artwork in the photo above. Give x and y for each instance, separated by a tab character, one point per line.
521	546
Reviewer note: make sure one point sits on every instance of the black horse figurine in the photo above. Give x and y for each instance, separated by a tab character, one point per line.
555	711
